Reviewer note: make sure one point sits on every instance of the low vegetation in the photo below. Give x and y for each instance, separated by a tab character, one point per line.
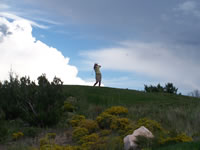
169	88
49	115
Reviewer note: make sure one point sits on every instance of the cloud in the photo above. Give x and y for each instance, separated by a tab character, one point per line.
30	57
118	20
4	6
189	7
170	63
15	17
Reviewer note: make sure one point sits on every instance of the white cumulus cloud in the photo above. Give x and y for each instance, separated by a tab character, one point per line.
31	57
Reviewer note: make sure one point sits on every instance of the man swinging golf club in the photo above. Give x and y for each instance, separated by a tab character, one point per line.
98	74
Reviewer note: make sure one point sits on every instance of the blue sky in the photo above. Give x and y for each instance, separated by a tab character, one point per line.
137	42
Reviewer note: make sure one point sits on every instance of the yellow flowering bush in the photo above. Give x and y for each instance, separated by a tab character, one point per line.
44	141
89	141
179	138
112	119
48	143
76	119
89	138
17	135
120	124
117	111
105	120
78	133
48	139
91	125
105	132
69	107
152	125
101	143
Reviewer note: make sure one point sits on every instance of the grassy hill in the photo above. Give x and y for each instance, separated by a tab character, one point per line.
182	111
176	113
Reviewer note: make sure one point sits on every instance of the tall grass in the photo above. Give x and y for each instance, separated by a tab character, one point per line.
179	118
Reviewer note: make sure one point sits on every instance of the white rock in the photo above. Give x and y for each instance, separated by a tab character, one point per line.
129	140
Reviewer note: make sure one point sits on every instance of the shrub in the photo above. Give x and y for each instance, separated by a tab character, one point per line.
120	124
78	133
51	135
3	132
70	104
17	135
44	141
151	88
179	138
68	107
117	111
105	120
91	125
37	105
144	142
110	143
101	143
31	131
152	125
76	119
169	88
105	132
89	138
47	140
57	147
2	114
111	118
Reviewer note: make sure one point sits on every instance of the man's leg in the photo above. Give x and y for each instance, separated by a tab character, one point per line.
95	83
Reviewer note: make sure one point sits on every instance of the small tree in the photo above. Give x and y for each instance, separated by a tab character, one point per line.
35	104
48	100
170	88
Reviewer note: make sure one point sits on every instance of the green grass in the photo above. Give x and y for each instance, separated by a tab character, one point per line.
111	96
175	112
182	146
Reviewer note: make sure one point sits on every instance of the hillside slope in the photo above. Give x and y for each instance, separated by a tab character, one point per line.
180	115
105	95
176	112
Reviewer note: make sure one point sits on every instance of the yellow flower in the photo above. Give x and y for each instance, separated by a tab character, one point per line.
17	135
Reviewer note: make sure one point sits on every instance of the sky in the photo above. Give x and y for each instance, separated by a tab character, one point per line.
137	42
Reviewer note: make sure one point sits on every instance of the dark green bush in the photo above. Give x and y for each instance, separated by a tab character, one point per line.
144	142
31	131
169	88
3	132
37	105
